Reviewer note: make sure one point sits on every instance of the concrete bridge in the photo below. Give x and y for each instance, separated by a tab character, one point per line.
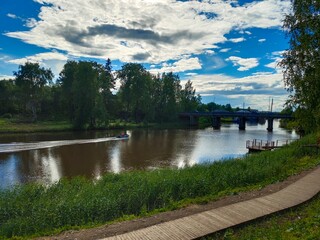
242	115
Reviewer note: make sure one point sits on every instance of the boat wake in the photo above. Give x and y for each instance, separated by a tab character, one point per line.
18	147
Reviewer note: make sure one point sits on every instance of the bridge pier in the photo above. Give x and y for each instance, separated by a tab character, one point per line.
242	123
270	125
216	123
216	116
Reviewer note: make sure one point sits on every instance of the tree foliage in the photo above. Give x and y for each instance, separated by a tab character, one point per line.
134	91
85	88
8	97
189	99
85	94
31	79
301	62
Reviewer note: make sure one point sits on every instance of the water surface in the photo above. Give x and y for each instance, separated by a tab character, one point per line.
48	157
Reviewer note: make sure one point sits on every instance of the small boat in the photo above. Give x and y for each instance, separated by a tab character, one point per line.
123	136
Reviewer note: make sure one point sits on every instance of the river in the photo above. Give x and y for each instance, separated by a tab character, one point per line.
48	157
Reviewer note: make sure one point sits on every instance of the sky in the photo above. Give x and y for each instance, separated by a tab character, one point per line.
229	49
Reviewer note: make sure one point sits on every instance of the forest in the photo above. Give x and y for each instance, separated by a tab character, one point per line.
85	94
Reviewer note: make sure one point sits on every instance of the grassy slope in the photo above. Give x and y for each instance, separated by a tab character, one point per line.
37	210
12	126
17	126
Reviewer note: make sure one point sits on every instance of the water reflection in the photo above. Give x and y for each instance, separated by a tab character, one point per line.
115	159
51	166
9	175
145	149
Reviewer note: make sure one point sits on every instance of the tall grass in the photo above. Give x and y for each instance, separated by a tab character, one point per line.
14	126
35	209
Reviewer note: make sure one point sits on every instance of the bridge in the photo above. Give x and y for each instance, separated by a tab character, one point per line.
243	116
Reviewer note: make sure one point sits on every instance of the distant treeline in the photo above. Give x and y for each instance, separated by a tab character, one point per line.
85	94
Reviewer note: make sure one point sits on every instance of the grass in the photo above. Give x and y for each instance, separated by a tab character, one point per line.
302	222
34	210
15	126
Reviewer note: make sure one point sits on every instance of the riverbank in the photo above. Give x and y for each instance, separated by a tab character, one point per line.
144	222
35	210
20	126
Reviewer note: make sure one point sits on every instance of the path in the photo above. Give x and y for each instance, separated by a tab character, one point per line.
208	222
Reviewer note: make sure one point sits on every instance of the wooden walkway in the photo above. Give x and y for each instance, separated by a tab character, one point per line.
208	222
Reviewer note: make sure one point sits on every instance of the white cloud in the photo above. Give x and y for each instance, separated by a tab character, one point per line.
53	60
244	64
210	52
41	57
215	62
6	77
144	30
182	65
225	50
31	22
13	16
237	40
191	74
273	64
262	40
254	90
276	58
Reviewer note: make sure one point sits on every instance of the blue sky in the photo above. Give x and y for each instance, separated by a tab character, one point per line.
228	48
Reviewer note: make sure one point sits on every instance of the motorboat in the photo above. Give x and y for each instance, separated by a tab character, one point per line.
123	136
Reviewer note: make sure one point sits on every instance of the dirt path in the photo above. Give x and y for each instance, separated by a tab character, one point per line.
127	226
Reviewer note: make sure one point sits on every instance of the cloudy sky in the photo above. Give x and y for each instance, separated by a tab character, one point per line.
228	48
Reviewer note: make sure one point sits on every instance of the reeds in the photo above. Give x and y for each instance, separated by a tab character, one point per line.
35	209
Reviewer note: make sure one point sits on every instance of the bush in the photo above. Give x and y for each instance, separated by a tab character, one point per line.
7	115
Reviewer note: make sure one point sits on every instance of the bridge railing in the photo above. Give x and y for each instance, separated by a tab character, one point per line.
277	115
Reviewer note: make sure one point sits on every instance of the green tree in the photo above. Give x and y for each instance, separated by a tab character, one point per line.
301	62
134	91
170	97
87	100
189	100
31	79
65	82
8	97
107	84
86	92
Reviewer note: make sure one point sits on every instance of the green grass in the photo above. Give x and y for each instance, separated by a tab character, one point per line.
15	126
37	210
295	224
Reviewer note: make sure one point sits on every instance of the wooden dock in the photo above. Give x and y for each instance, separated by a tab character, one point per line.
257	145
208	222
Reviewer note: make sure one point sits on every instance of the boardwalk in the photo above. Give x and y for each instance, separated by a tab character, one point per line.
208	222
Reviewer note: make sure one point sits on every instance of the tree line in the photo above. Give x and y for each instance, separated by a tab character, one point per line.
85	94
